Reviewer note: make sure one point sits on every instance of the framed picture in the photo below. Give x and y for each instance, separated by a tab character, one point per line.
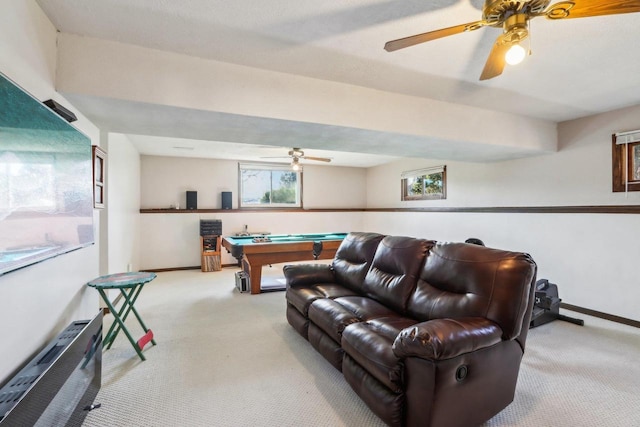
99	177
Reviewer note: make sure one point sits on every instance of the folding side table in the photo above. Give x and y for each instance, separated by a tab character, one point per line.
130	286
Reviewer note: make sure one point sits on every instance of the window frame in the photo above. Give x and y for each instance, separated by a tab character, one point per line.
99	171
260	166
621	170
405	196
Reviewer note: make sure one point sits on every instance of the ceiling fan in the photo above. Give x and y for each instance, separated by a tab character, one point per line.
296	154
513	16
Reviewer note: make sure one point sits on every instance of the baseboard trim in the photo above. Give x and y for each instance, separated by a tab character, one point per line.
195	267
161	270
601	315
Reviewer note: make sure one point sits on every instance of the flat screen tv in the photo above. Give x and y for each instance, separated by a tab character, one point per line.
46	191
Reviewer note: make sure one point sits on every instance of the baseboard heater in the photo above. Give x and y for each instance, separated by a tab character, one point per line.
58	386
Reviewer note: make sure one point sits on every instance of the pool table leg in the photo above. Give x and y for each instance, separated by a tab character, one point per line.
254	272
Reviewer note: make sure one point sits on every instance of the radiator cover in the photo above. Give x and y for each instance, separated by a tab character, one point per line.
56	386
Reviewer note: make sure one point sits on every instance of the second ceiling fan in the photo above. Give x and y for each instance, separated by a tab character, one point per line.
296	154
513	16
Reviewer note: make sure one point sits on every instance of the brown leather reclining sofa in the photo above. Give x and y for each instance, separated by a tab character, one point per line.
426	333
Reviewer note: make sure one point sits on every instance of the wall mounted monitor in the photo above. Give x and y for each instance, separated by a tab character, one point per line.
46	191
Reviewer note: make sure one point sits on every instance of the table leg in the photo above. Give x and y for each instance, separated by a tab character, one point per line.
108	337
127	305
135	312
120	325
254	270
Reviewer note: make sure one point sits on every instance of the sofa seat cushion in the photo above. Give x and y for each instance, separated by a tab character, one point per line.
301	298
365	308
333	315
370	343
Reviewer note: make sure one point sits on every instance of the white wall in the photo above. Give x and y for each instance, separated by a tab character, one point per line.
37	302
334	187
165	180
172	239
592	257
123	204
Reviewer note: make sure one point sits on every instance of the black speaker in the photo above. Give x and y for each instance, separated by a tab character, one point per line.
62	112
192	200
226	200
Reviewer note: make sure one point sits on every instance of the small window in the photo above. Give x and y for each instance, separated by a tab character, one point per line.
99	181
265	185
626	162
634	161
425	184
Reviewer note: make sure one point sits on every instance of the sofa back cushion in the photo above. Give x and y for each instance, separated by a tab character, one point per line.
353	258
394	272
464	280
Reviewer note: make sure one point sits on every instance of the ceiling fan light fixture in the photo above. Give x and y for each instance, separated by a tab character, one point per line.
515	54
295	164
514	16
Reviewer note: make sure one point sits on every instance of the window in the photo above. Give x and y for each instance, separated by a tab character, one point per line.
99	182
626	161
424	184
265	185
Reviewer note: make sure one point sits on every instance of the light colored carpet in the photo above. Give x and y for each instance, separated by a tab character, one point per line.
229	359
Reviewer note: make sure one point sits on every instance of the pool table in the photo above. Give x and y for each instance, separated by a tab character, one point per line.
253	252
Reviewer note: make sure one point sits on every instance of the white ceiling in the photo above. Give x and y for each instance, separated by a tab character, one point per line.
578	67
181	147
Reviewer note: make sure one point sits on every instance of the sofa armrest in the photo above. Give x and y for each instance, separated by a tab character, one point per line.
441	339
297	275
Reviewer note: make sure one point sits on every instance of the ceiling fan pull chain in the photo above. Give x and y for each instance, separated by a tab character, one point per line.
530	35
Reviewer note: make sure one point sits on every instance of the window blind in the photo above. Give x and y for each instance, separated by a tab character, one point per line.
627	137
422	172
266	166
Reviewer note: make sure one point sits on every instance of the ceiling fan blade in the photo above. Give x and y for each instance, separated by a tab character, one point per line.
319	159
587	8
392	45
495	62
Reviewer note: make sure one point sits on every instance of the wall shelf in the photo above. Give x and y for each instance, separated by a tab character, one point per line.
597	209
